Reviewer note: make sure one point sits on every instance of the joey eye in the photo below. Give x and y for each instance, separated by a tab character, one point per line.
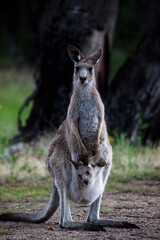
93	165
88	173
101	164
80	176
90	69
77	69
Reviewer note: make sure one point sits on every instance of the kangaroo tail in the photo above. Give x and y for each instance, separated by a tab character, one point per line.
41	217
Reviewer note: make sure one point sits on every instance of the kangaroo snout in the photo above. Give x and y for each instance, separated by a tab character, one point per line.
83	80
86	182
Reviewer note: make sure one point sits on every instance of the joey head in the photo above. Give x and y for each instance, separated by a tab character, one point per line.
87	174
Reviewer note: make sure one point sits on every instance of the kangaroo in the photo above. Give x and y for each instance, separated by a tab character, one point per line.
85	119
79	157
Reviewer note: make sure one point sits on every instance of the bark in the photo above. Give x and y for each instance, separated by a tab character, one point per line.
133	100
85	24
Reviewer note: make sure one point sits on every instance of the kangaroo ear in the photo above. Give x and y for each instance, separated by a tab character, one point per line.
75	54
95	57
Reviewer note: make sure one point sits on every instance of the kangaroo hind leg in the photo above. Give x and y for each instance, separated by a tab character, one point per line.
93	217
66	219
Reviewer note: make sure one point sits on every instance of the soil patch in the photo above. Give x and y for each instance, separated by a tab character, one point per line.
138	202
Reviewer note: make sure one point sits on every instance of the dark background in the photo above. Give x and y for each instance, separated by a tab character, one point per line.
31	33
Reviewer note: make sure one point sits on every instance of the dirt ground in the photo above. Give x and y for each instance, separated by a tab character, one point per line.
138	202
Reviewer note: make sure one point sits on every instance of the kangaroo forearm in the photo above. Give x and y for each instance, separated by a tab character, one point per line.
80	143
99	129
100	124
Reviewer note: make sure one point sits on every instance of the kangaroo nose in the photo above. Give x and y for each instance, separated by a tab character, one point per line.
83	79
86	182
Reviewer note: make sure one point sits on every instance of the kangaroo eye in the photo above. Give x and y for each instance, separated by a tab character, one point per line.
90	69
88	173
77	69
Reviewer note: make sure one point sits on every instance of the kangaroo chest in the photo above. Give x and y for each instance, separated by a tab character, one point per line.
88	122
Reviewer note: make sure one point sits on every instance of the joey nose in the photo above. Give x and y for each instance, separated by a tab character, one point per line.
86	182
83	79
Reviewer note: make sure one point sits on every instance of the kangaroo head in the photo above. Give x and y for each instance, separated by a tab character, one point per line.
86	174
84	67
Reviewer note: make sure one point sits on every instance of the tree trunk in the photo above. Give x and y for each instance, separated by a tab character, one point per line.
133	100
85	24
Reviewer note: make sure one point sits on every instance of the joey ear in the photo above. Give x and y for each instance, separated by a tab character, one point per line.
95	57
75	164
75	54
101	163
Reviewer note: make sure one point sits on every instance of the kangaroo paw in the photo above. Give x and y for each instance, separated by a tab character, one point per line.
83	226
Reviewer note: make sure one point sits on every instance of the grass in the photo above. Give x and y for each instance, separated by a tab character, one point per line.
106	211
115	185
29	164
124	199
17	208
37	193
5	232
117	60
15	86
132	160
